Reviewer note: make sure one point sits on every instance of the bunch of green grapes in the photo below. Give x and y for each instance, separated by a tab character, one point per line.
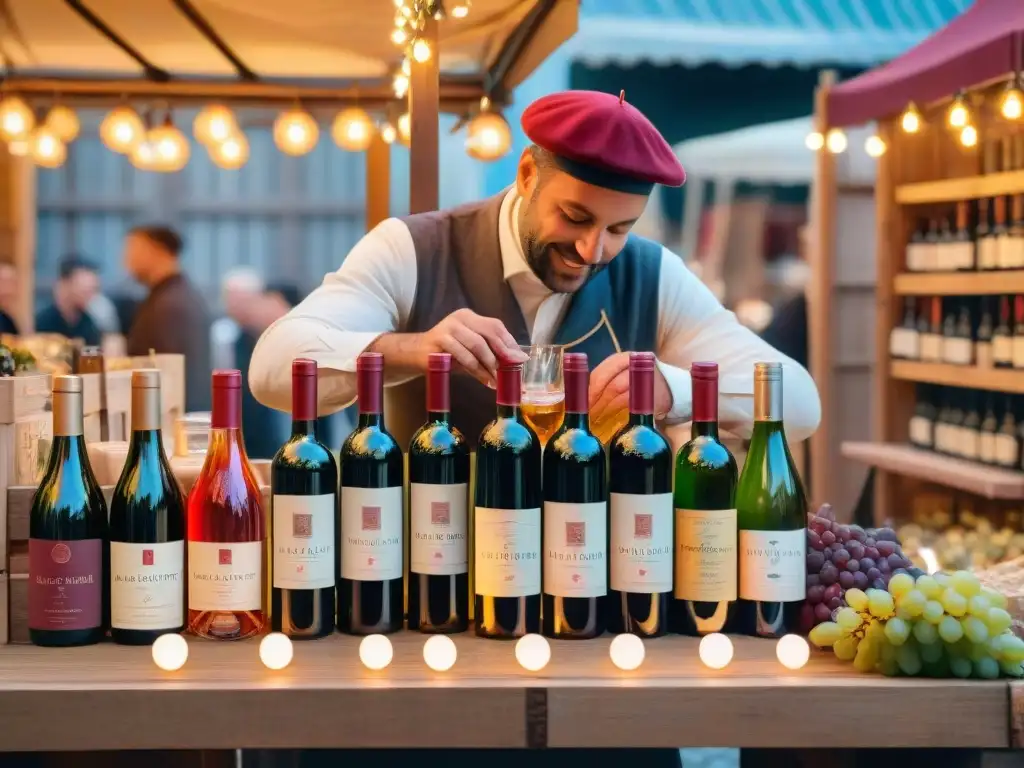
938	625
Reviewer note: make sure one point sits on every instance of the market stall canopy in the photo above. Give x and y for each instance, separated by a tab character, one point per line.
732	32
979	46
269	39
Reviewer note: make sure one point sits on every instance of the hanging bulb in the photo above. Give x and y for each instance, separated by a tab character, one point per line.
214	124
400	85
405	129
232	153
122	130
488	137
814	141
16	118
874	146
1012	102
296	132
388	133
835	141
436	10
958	115
911	119
63	122
421	50
461	9
143	155
352	129
48	151
969	136
406	66
170	147
399	36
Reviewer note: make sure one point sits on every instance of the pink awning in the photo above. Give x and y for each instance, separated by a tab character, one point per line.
980	45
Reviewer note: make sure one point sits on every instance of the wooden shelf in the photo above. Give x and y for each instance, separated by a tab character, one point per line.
1009	281
969	376
990	482
113	697
966	188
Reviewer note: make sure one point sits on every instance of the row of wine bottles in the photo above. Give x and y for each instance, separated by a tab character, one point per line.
602	543
962	330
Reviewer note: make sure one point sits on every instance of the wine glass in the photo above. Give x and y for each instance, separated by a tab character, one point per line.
543	402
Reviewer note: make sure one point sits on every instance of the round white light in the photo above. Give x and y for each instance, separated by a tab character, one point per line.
627	652
170	652
792	651
715	650
375	652
533	652
439	653
276	651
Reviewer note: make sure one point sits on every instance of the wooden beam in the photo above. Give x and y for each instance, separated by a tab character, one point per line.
206	30
152	71
378	182
424	91
516	44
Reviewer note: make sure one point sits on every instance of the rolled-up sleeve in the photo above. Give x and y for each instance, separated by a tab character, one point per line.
694	327
371	294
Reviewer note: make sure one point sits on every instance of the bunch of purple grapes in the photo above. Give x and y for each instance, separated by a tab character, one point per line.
840	557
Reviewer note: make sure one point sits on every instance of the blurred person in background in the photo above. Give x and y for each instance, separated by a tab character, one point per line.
77	284
8	297
173	318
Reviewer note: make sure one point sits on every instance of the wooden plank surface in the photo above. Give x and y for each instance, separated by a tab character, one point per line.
23	395
993	380
1000	282
110	697
905	460
966	188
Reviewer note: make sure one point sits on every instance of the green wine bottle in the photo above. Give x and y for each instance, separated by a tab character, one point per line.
772	515
705	531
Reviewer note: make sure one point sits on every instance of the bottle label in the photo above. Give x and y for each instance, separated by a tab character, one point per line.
65	584
983	353
1017	354
705	555
987	447
773	565
507	552
641	542
438	515
303	541
371	533
969	443
575	549
146	585
958	351
988	256
913	257
931	347
225	575
1006	450
921	431
1002	349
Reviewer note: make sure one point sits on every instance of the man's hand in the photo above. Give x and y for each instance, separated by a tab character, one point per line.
475	342
609	389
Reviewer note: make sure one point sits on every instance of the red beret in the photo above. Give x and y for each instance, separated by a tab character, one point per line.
603	140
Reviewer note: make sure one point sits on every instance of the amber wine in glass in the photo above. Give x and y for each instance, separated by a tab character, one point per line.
543	403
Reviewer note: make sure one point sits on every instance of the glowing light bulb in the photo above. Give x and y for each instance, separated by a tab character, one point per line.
792	651
814	141
295	132
276	651
214	124
911	119
232	153
969	136
400	85
399	36
461	10
835	141
488	136
375	652
170	652
715	650
533	652
439	653
958	115
421	51
405	128
388	133
352	129
1012	105
47	150
16	118
627	652
122	130
874	146
63	122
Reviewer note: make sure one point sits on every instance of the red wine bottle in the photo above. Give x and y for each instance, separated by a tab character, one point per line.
226	528
371	587
303	503
439	511
68	545
575	542
507	525
640	513
147	529
705	501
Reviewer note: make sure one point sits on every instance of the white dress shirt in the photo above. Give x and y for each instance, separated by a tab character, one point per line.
373	293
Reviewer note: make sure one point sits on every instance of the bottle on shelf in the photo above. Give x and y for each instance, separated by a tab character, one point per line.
226	528
575	517
371	594
931	341
983	345
69	544
947	250
1017	343
705	509
954	425
987	432
1013	244
1002	340
439	512
507	525
942	420
904	341
771	515
932	251
916	251
922	423
1000	232
303	510
958	346
970	429
147	529
949	340
962	247
640	513
987	246
1008	441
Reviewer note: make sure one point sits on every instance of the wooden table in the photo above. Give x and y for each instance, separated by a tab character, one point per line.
110	697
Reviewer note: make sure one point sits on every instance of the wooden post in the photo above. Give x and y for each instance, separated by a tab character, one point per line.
18	230
424	106
821	255
378	182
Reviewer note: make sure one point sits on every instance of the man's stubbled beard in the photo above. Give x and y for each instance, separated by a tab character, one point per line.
539	255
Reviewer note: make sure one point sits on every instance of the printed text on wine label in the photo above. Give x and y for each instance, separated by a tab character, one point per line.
507	551
438	521
303	541
147	590
640	556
